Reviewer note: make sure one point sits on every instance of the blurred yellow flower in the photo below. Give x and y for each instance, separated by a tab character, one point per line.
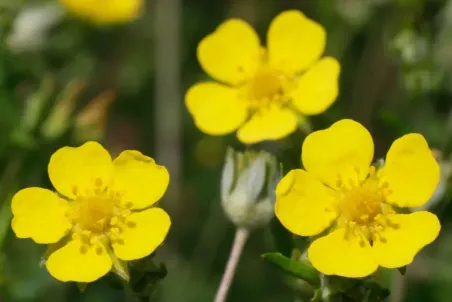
340	188
261	91
102	212
105	11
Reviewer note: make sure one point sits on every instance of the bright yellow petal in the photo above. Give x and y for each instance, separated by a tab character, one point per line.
303	204
269	124
216	109
39	214
74	263
317	89
139	179
335	255
342	151
410	233
145	231
105	11
78	170
411	171
232	53
295	41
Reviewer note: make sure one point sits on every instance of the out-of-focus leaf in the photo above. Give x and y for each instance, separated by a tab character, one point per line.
299	269
281	237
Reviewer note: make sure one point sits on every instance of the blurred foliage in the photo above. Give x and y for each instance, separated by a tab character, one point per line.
64	81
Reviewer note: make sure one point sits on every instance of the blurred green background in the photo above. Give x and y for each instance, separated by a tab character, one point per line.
64	81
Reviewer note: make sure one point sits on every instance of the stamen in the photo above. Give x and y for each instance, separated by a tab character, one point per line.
99	250
83	249
98	182
131	224
75	190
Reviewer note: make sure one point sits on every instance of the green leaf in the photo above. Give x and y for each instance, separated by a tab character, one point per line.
298	269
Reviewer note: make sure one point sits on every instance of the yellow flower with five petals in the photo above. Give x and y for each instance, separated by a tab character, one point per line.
105	11
339	191
261	91
102	212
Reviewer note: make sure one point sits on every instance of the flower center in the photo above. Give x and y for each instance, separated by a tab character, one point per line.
268	85
361	204
94	213
362	207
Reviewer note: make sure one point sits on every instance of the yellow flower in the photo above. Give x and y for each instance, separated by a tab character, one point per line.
261	91
105	11
340	188
102	212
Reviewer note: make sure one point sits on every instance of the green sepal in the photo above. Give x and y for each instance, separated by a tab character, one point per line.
120	268
82	286
300	269
402	270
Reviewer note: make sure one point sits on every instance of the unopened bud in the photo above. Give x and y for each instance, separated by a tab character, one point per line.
247	187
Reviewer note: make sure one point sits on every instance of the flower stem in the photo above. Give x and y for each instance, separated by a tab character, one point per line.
241	235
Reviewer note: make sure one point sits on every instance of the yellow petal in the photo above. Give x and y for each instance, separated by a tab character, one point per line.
73	262
342	151
333	254
269	124
105	11
39	214
145	231
317	89
411	171
303	204
216	108
78	170
139	179
232	53
295	41
411	232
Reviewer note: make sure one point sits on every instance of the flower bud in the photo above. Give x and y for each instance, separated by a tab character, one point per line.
32	25
247	187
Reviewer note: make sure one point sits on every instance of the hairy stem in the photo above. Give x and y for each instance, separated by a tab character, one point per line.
241	235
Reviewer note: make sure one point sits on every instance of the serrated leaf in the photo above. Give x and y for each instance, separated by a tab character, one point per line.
298	269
